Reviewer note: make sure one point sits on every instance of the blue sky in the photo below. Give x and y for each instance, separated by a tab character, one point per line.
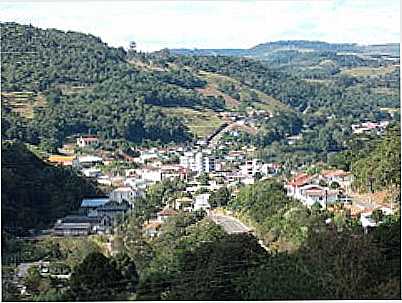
215	24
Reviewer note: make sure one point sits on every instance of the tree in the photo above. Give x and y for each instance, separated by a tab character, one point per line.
203	178
377	215
127	268
220	197
96	279
334	185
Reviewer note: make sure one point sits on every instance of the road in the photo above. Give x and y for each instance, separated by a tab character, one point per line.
229	224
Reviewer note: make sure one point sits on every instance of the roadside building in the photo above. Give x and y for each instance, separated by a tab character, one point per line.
61	160
81	225
201	202
165	214
87	141
152	228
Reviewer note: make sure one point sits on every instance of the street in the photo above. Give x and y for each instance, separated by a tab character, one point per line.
229	224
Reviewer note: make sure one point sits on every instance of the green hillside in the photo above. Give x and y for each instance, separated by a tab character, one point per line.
33	193
87	86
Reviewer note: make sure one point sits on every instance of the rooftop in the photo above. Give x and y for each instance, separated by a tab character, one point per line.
94	202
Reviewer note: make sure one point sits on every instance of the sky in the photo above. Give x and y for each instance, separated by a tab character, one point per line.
154	25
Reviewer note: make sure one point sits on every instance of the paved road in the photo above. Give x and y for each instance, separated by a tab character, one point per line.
229	224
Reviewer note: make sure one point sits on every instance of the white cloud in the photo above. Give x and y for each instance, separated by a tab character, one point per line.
210	24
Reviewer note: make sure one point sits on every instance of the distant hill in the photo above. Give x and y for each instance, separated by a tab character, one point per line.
268	50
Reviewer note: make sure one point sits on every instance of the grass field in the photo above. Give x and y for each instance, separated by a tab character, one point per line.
200	123
368	71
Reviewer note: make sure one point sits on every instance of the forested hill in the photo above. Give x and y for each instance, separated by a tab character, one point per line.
34	194
83	85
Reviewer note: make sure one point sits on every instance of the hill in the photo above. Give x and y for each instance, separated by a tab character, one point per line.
75	83
56	84
48	192
270	50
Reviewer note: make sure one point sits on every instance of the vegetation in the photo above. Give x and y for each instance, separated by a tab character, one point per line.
98	278
109	89
48	192
381	164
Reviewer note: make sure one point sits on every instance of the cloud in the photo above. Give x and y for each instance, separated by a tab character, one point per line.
215	24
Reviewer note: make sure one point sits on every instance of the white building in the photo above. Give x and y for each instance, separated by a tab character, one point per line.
87	141
86	161
151	174
198	162
91	172
128	194
201	202
251	167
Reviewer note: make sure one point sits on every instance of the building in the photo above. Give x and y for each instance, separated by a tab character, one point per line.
112	209
344	179
87	141
91	172
311	194
61	160
81	225
294	185
201	202
184	203
251	167
126	193
150	174
166	214
88	204
86	161
152	229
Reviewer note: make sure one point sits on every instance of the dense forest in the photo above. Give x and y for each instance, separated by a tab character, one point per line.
33	193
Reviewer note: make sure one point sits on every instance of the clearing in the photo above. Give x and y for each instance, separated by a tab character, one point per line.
23	103
200	122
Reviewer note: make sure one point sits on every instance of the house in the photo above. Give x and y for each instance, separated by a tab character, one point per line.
152	229
184	203
294	185
86	161
81	225
126	193
201	202
61	160
251	167
87	141
150	174
341	177
311	194
88	204
165	214
91	172
344	179
111	209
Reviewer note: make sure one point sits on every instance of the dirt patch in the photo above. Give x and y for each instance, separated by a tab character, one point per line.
210	90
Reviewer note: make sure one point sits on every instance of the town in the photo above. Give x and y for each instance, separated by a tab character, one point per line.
205	167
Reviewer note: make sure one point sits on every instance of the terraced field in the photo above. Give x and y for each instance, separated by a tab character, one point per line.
266	102
200	123
23	103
